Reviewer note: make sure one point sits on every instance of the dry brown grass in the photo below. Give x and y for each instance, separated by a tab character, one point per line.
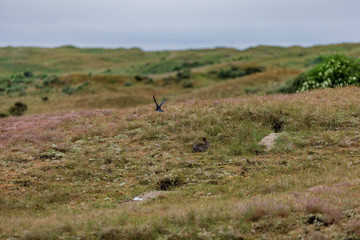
69	174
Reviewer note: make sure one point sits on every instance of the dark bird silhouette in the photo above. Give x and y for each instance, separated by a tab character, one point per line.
158	107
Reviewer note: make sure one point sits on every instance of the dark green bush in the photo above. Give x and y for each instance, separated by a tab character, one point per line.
187	84
17	76
188	65
18	109
70	89
291	85
13	84
213	72
149	81
128	84
15	88
234	71
315	61
177	68
28	74
83	85
42	76
191	64
183	74
47	81
254	69
140	78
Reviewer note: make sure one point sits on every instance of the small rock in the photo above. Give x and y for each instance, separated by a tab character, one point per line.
149	195
54	146
82	141
59	155
270	140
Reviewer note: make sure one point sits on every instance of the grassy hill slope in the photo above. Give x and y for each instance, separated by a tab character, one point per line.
73	174
92	78
69	59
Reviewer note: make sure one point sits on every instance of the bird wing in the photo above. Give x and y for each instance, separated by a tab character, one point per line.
155	101
162	102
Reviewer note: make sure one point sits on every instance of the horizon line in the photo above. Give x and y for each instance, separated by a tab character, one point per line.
176	49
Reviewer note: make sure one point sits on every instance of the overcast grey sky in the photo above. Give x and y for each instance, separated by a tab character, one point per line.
178	24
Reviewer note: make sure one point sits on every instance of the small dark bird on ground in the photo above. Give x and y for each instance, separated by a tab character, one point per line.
201	147
45	98
158	107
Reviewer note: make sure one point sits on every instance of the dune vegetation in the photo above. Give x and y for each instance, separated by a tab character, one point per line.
91	159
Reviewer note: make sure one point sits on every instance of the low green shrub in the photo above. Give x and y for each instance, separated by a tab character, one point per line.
333	71
17	76
41	76
336	71
68	90
73	89
291	85
149	81
235	71
18	109
315	61
15	88
183	74
187	84
254	69
140	78
47	81
128	84
28	74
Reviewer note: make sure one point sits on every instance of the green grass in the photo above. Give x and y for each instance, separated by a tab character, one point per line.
77	179
72	165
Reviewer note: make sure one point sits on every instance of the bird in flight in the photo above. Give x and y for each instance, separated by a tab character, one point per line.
158	107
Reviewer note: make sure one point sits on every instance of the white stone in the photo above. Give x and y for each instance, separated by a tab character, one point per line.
270	140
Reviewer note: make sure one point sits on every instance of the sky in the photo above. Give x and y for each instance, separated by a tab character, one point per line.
178	24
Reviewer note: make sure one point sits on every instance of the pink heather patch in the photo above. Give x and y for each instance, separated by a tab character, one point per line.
339	187
48	128
315	205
